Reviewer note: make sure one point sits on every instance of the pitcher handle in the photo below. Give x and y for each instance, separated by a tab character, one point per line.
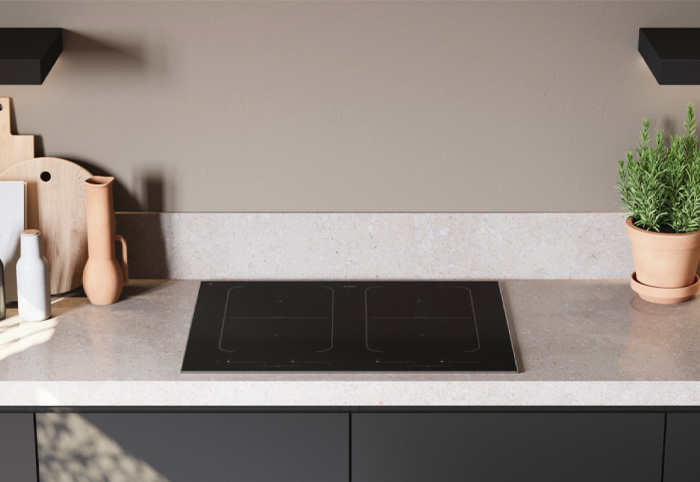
125	262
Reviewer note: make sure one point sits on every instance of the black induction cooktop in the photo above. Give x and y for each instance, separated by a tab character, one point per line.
349	326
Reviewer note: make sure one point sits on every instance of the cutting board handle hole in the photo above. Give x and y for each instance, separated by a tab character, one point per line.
0	106
45	176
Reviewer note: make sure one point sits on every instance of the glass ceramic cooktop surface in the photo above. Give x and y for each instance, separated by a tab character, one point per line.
349	326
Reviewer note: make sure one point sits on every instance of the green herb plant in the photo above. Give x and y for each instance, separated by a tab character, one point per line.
660	189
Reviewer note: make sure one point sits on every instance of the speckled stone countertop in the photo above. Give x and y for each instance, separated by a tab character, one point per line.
587	343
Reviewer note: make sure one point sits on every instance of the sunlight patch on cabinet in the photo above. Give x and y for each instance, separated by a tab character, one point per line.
71	449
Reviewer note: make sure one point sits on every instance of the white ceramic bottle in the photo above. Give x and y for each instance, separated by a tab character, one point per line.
33	298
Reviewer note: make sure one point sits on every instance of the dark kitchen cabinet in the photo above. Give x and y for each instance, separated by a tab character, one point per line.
497	447
186	447
17	450
682	462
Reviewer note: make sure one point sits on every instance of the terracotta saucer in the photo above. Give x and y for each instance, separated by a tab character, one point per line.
664	296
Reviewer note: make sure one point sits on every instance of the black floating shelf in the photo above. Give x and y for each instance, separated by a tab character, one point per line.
672	54
27	54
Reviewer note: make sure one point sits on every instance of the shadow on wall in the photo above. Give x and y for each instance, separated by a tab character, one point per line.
71	448
147	255
146	235
103	55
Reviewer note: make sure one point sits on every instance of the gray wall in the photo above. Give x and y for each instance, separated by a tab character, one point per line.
359	106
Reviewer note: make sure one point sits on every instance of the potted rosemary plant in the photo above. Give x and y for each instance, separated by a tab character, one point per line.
660	190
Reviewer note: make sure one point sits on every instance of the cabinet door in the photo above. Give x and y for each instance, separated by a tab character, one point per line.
17	450
175	447
497	447
682	462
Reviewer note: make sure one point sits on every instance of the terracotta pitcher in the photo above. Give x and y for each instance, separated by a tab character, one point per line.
103	278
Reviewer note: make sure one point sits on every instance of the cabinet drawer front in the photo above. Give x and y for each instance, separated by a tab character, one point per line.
682	461
486	447
17	451
175	447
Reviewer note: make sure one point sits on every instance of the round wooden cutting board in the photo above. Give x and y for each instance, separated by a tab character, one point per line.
56	207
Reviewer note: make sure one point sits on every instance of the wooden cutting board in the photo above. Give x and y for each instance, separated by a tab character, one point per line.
13	149
56	207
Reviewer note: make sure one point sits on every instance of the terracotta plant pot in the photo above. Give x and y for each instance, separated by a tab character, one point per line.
103	277
664	263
